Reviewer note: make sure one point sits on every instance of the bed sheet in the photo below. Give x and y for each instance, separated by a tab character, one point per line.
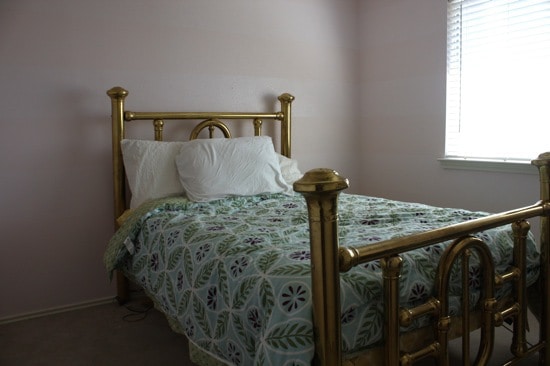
233	275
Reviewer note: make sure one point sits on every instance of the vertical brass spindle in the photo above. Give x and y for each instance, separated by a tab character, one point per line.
211	131
465	257
159	127
257	127
519	339
391	268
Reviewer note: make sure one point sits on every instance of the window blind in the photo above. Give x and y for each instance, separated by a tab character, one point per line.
498	79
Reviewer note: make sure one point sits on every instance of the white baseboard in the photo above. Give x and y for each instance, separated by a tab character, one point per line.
56	310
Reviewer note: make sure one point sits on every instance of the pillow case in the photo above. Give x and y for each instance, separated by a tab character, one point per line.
151	169
211	169
289	169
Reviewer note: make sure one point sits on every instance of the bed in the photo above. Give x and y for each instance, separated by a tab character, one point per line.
259	264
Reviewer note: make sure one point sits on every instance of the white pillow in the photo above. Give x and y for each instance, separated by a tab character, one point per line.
211	169
151	169
289	169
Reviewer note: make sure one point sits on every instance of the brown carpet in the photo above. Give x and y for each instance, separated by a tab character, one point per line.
115	335
100	335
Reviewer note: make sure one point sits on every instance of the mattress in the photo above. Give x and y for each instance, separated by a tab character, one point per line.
233	275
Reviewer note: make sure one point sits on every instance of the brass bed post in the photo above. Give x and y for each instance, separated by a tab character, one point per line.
117	95
543	164
286	103
320	188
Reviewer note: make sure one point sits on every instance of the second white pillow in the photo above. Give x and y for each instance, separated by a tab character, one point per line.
211	169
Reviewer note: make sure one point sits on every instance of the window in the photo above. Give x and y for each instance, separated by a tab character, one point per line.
498	79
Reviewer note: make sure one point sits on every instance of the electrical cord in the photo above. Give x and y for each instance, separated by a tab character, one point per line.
139	308
137	313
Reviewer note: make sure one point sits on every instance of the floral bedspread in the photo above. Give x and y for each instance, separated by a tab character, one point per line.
233	275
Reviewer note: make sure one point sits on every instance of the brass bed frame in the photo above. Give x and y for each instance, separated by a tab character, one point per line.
321	188
209	120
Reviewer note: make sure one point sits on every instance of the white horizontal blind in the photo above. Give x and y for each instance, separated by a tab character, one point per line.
498	79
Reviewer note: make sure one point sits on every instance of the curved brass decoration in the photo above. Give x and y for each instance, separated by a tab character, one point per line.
211	124
461	249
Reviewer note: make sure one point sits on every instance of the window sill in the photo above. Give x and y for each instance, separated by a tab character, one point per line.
519	167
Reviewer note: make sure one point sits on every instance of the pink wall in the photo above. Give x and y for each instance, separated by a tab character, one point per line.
59	57
376	65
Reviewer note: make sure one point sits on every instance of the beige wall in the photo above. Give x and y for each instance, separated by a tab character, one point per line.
57	59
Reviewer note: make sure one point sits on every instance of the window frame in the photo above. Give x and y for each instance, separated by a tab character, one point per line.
456	161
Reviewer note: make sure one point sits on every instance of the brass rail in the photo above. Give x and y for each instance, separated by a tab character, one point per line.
135	116
353	256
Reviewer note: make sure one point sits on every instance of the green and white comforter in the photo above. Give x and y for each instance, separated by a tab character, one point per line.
234	276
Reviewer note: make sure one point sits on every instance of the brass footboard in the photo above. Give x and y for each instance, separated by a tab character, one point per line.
321	188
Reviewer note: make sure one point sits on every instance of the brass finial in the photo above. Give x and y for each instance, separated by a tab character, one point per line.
117	92
321	180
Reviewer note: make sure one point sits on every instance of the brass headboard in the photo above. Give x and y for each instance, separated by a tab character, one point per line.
210	120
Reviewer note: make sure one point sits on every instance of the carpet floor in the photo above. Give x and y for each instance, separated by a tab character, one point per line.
110	334
101	335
